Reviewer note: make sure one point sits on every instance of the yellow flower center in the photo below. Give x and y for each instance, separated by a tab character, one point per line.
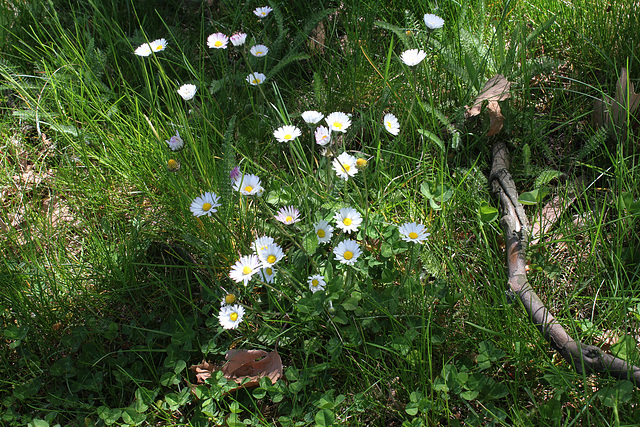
288	219
172	164
287	136
389	125
206	206
159	47
347	221
233	316
348	255
315	283
413	235
271	259
230	299
256	81
218	43
337	125
247	270
269	271
259	52
346	168
248	188
321	233
361	163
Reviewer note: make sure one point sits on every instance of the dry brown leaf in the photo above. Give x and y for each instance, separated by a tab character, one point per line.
242	365
608	109
549	215
494	90
202	371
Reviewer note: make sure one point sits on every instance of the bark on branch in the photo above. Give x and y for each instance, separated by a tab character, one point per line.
584	358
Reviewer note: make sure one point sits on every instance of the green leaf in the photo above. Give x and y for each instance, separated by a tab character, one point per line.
109	416
425	189
324	418
132	417
469	394
487	212
546	177
411	408
533	197
310	243
433	137
36	422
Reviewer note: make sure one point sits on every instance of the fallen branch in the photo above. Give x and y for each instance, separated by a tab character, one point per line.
584	358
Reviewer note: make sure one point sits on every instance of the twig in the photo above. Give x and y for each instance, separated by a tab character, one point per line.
584	358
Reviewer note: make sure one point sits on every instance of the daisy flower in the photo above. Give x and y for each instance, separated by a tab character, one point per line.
433	22
244	269
267	274
413	232
287	133
175	142
147	49
347	252
413	57
187	92
312	117
391	124
262	12
288	215
230	316
259	50
316	283
261	243
338	121
248	184
324	231
323	135
235	174
238	39
206	204
173	165
228	300
345	165
270	255
217	41
348	219
255	79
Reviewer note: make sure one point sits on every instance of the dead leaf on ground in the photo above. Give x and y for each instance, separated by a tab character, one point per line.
494	90
242	365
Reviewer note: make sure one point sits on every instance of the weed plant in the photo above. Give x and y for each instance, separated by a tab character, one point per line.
168	194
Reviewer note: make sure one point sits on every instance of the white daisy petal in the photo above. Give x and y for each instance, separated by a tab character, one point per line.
347	252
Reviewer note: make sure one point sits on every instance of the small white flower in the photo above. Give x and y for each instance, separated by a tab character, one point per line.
248	184
206	204
261	12
338	121
270	255
175	142
238	39
187	92
255	79
228	300
287	133
288	215
323	135
348	219
433	22
259	50
312	117
230	316
261	244
391	124
345	165
347	252
147	49
413	57
217	41
413	232
324	231
316	283
267	274
244	269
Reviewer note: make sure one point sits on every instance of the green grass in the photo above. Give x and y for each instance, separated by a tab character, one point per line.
111	287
